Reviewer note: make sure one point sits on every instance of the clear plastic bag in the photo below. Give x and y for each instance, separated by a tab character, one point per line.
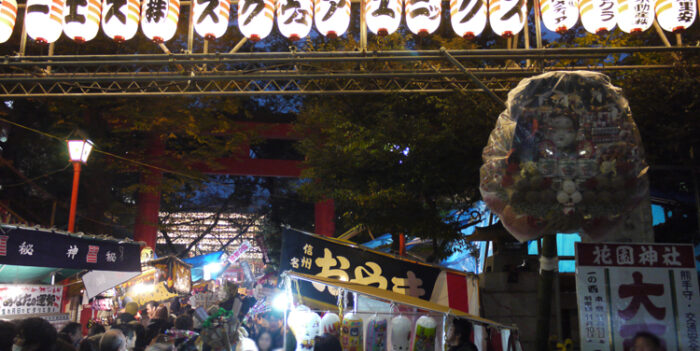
565	156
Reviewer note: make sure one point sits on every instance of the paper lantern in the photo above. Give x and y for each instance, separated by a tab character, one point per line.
634	16
8	16
468	17
159	19
383	16
43	20
306	326
598	16
81	19
332	17
351	332
423	16
675	15
376	334
256	18
211	17
294	18
507	17
559	15
330	324
400	333
425	333
120	19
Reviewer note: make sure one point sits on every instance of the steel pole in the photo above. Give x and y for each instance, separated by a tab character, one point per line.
74	197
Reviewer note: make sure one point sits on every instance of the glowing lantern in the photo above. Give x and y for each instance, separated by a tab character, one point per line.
332	17
634	15
211	17
294	18
675	15
468	17
423	16
598	16
159	19
400	333
120	19
383	16
81	19
559	15
507	17
44	20
255	20
8	16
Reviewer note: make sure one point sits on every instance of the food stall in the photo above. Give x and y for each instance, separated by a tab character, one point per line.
168	277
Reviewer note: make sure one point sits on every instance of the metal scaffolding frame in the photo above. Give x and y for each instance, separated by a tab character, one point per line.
287	73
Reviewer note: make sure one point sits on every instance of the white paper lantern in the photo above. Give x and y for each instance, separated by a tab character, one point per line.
43	20
598	16
559	15
635	16
423	16
400	333
332	17
8	17
159	19
507	17
383	16
120	19
675	15
255	20
294	18
81	19
468	17
211	17
330	324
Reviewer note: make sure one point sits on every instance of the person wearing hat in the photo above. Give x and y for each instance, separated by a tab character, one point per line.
129	313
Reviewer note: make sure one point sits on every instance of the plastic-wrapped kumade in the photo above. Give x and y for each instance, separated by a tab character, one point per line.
565	156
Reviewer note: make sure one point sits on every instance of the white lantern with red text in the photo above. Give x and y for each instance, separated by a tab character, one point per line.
507	17
211	17
81	19
468	17
559	15
383	16
8	17
43	20
675	15
256	18
120	19
598	16
159	19
423	16
634	16
294	18
332	17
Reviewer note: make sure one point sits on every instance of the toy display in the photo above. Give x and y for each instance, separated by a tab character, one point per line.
425	332
330	323
400	333
351	332
376	334
565	156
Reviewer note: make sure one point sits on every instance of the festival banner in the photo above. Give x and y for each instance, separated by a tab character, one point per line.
624	289
42	248
245	246
18	299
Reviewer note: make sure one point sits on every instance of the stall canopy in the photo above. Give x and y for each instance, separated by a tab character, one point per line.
209	262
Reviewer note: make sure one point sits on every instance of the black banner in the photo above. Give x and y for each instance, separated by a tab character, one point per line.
41	248
315	255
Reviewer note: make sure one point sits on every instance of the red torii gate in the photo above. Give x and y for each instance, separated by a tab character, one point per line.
148	202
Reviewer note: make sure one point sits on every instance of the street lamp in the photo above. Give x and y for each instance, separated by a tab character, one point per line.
79	151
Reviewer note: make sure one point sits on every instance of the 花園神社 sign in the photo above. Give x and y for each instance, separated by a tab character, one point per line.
624	289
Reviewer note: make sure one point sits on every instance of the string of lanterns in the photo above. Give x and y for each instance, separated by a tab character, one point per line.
80	20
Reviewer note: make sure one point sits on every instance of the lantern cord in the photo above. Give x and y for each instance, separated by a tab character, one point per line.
29	180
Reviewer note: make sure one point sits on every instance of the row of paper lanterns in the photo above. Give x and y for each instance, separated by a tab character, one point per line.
80	19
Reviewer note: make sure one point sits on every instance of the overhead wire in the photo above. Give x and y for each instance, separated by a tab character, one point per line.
29	180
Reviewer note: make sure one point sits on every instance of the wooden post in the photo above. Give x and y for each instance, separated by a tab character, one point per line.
548	267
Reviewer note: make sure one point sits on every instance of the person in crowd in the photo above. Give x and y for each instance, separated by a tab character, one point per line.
184	322
129	334
264	341
129	314
645	341
35	334
140	332
327	342
158	324
113	340
151	307
71	333
8	331
274	326
458	336
96	329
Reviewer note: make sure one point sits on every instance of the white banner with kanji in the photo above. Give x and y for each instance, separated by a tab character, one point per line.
625	289
18	299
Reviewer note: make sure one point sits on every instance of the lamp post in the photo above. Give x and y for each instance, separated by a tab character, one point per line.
79	151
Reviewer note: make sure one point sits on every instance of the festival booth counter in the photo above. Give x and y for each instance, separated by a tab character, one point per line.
167	277
369	318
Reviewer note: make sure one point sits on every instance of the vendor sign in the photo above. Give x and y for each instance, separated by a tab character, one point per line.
18	299
624	289
245	246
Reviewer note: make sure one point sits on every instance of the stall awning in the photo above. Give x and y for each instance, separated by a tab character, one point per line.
11	274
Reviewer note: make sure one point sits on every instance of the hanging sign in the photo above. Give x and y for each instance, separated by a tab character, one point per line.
245	246
17	299
624	289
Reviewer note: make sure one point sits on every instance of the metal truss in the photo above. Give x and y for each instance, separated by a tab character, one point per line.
277	73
